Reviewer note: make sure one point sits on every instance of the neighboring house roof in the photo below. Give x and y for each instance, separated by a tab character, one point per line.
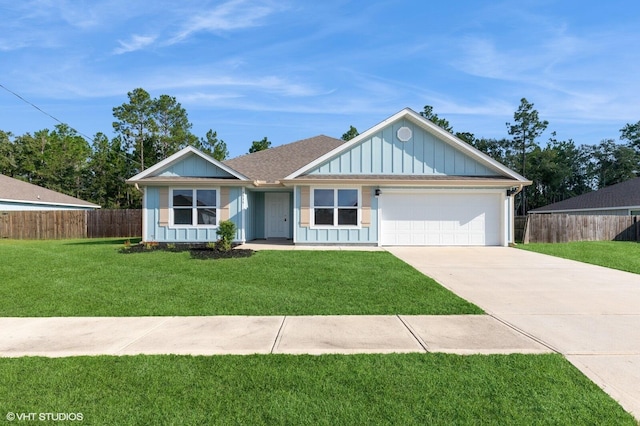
621	195
17	191
275	164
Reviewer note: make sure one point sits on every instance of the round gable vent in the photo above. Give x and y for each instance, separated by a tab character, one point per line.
404	133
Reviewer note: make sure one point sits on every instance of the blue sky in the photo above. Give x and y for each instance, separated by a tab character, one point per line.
290	70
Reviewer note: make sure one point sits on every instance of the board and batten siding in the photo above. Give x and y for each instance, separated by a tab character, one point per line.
384	153
194	166
157	218
366	233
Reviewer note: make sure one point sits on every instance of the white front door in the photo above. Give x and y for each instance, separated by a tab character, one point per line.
276	215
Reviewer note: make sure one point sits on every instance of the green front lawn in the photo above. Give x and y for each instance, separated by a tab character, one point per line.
409	389
91	278
622	255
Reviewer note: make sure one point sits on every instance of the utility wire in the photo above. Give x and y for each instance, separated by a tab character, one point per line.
89	139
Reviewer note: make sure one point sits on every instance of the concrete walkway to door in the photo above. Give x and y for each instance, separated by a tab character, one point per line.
589	314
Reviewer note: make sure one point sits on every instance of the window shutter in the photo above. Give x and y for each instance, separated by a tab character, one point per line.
366	208
304	206
163	203
224	204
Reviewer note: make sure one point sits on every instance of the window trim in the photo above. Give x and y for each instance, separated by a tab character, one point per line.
335	207
194	209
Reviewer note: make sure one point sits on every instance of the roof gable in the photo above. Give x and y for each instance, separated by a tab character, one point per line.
18	191
428	151
620	195
189	162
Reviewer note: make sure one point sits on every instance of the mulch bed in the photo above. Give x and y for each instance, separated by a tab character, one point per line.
197	251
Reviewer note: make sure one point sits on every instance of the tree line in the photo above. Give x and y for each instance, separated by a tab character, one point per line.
559	169
147	130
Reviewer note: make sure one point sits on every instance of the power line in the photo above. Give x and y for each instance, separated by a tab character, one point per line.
89	139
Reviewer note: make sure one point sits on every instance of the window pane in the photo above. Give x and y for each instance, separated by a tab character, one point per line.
182	217
182	197
348	197
206	216
206	197
323	197
347	216
323	216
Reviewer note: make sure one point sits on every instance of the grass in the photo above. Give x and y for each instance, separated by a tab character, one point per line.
91	278
408	389
622	255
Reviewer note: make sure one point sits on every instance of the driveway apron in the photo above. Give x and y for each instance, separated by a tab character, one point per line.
588	313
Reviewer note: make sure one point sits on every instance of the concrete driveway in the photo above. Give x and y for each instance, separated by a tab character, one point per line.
589	314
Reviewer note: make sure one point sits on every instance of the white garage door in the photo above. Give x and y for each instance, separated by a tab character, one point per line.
434	219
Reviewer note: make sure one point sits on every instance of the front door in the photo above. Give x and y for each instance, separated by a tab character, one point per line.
276	215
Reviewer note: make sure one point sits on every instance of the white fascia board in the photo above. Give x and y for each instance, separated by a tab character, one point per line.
463	146
51	203
178	156
427	126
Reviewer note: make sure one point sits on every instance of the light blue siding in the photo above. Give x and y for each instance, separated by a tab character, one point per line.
258	215
194	166
171	234
384	153
308	235
250	216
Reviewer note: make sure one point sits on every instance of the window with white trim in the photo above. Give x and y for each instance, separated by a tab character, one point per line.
335	207
194	207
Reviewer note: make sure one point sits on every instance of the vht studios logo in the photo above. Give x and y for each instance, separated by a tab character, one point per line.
45	417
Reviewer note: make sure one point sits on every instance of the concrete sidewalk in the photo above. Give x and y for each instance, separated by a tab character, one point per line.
588	313
215	335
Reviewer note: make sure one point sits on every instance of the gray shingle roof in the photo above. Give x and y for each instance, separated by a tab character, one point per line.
276	163
19	191
623	194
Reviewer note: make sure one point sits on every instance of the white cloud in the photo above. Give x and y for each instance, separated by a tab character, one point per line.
232	15
136	42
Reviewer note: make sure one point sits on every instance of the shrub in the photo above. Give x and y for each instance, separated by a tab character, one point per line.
226	231
151	245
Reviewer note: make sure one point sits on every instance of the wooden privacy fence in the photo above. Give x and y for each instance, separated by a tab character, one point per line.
519	224
62	224
562	228
114	223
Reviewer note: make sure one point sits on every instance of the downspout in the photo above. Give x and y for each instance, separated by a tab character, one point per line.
518	191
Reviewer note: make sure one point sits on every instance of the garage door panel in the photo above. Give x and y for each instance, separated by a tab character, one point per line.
440	219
